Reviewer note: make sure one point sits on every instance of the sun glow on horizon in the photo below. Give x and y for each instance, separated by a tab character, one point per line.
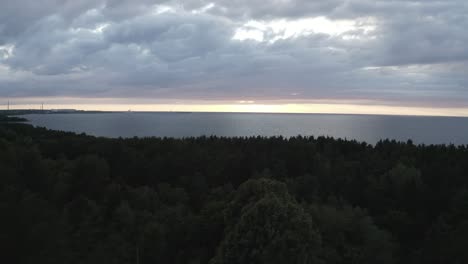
244	106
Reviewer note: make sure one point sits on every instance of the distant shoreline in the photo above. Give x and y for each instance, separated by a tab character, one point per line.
12	119
53	111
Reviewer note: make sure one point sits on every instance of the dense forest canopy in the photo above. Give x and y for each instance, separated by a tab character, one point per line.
69	198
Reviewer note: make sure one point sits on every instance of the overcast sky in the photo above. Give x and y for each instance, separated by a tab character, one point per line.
395	53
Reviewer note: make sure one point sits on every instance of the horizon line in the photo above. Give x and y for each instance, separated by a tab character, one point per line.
90	111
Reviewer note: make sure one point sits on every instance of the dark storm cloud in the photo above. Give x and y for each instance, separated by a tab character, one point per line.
394	51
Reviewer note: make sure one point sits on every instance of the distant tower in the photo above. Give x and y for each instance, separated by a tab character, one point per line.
8	105
42	107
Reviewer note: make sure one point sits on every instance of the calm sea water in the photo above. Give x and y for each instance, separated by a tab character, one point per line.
369	128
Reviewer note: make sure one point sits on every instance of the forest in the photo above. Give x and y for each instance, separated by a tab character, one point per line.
74	198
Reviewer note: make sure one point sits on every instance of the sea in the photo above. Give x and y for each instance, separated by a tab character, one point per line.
363	128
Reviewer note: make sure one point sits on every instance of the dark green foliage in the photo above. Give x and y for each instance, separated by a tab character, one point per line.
350	236
266	225
68	198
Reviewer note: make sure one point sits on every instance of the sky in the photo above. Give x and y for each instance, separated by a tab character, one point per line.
330	56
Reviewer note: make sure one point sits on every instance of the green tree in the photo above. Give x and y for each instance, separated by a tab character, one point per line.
267	226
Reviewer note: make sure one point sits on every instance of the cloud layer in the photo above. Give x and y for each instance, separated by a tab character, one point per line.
387	52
